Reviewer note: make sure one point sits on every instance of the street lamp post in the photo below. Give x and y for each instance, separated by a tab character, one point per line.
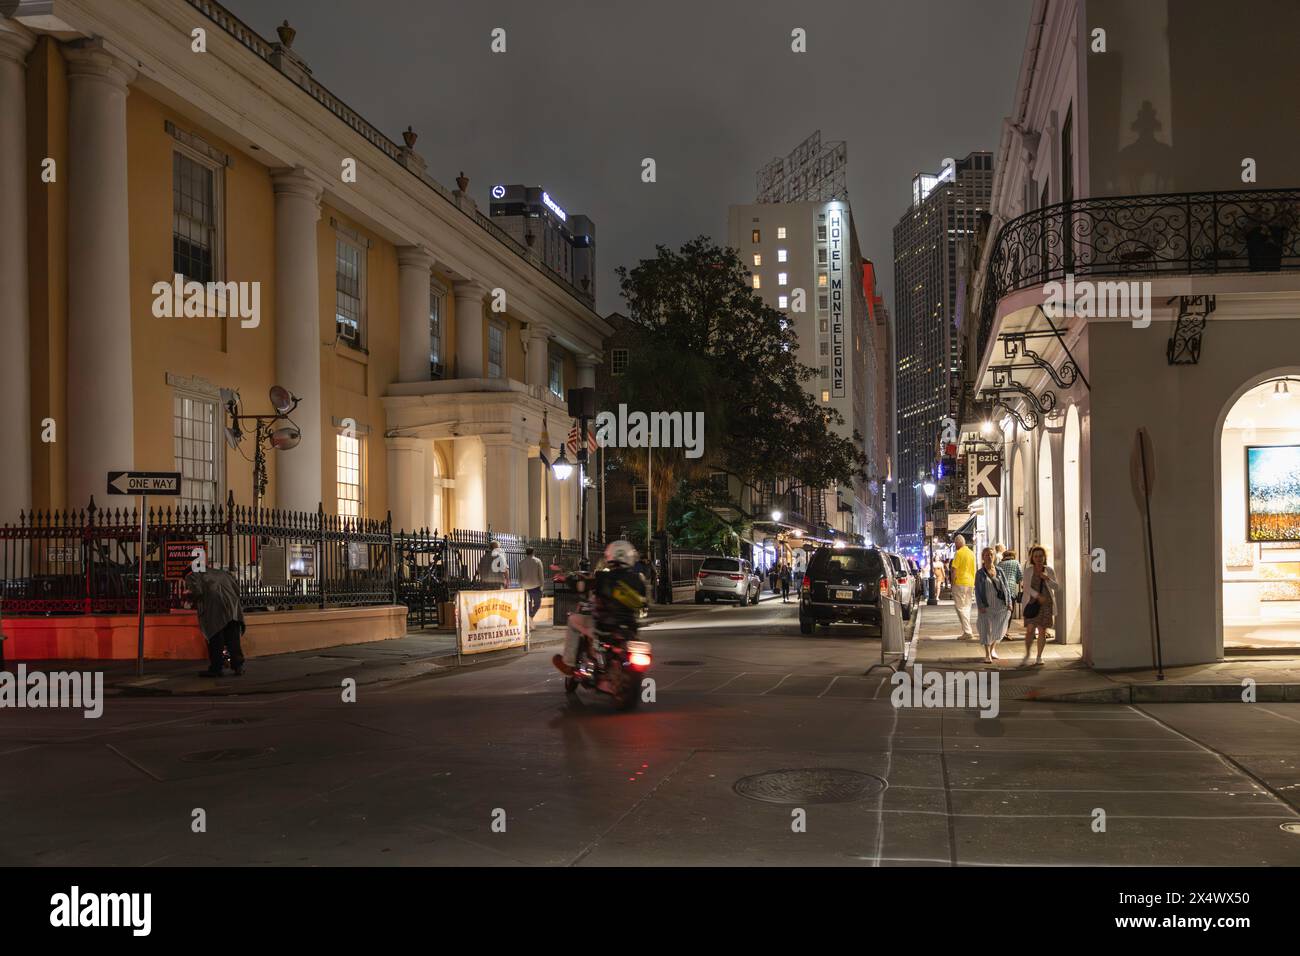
932	598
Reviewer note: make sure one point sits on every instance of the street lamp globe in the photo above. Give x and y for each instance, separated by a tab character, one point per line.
929	488
562	467
776	516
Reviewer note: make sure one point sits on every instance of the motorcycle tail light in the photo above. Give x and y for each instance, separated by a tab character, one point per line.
639	660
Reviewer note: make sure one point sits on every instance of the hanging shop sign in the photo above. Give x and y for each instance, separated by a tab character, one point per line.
984	474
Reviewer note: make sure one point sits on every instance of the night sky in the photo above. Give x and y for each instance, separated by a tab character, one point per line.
709	88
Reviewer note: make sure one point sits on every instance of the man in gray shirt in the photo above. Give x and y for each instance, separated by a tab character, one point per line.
215	594
531	578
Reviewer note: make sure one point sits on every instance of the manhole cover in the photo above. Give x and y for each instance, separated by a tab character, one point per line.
817	785
1292	828
232	721
684	663
226	753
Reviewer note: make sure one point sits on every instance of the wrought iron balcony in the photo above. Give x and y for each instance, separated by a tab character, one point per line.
1154	236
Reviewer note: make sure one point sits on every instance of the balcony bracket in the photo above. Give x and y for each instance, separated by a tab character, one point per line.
1185	344
1014	345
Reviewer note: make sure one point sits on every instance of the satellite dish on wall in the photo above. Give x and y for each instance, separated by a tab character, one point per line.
282	400
286	437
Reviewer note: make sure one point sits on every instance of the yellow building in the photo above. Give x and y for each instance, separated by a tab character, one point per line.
142	140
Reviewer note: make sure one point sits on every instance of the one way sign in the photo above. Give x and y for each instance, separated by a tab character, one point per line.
144	482
984	474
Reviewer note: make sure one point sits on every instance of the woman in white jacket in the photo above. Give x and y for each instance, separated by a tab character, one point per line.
1039	601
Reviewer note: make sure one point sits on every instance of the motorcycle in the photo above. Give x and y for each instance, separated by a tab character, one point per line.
608	661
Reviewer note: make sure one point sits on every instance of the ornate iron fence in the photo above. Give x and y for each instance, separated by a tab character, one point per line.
87	561
1247	230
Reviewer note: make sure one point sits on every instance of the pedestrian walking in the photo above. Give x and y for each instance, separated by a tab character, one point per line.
1010	565
1039	601
493	570
785	583
215	595
963	586
531	578
993	595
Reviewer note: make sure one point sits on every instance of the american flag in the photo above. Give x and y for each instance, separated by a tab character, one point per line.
574	441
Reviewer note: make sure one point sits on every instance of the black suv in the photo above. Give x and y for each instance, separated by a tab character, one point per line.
843	585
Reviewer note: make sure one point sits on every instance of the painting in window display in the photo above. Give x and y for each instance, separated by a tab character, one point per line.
1273	493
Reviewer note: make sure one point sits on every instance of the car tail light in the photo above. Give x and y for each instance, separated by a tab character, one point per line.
807	582
884	587
702	574
735	577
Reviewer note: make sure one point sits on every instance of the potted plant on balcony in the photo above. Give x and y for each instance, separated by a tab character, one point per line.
1265	229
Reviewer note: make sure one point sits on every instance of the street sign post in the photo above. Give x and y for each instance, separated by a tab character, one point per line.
143	484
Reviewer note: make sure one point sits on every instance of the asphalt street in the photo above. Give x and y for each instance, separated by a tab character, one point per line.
494	765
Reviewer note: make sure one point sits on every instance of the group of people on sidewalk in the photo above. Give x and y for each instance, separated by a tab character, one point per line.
1001	589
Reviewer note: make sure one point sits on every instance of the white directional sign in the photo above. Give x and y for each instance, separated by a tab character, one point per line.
144	483
984	474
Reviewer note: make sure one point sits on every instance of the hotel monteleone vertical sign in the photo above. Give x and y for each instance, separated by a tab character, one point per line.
835	243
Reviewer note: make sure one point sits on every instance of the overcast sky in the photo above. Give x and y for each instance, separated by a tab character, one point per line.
709	88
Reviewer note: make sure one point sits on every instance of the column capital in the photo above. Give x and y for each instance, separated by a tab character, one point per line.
16	41
299	182
539	330
90	59
414	257
469	289
586	361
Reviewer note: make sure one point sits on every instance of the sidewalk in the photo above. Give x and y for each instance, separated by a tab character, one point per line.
1064	676
418	653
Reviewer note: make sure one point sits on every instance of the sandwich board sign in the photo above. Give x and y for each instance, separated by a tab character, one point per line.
144	483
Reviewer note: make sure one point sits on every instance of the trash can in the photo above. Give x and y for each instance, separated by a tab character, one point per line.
565	599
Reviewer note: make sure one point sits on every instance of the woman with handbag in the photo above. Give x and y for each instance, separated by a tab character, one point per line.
1040	583
993	595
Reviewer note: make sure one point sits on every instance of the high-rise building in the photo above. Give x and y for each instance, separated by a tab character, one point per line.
802	250
944	212
566	242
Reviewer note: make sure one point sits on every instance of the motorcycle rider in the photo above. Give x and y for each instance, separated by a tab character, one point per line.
617	592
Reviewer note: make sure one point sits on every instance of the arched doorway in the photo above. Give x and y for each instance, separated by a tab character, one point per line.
1072	557
1259	515
1046	500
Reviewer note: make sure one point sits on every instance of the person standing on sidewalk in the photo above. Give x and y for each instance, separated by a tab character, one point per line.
785	584
531	578
1040	583
1010	566
993	595
963	586
215	595
493	570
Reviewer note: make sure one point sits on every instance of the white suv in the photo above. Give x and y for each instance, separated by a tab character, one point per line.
726	579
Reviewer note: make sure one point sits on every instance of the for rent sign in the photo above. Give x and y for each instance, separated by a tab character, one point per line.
491	620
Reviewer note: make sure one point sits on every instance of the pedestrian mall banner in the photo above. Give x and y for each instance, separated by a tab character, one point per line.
491	620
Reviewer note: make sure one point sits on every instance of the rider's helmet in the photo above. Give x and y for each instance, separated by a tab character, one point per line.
620	553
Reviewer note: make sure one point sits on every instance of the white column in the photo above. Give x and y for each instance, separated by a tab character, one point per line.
586	370
537	371
467	463
506	482
407	483
298	334
413	265
469	328
15	358
101	426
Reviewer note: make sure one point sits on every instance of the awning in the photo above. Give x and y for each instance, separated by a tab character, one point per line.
967	530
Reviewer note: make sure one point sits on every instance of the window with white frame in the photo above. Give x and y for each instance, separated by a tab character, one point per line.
782	255
496	357
618	361
435	334
349	291
196	216
197	443
555	374
780	232
782	278
347	459
783	302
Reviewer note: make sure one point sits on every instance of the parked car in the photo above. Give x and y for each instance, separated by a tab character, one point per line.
906	580
727	579
844	585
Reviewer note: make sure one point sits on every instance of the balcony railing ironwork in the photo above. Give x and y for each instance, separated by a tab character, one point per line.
1155	236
